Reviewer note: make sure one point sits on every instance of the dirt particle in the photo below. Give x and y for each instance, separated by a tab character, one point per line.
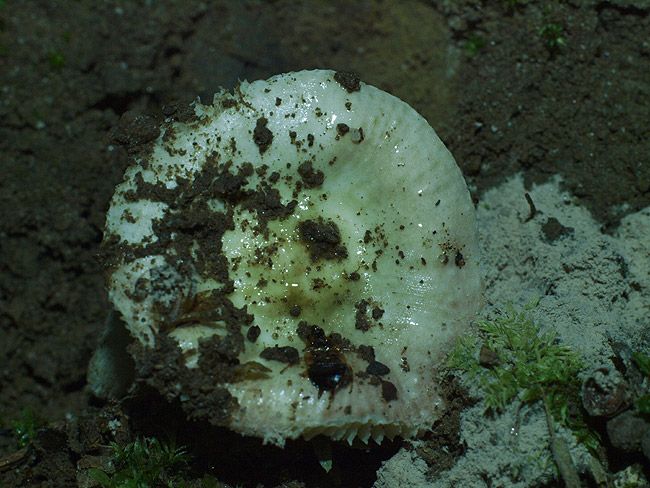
388	391
262	135
134	129
310	176
459	260
361	322
180	111
295	311
285	354
553	230
377	313
253	333
350	81
228	103
322	239
378	369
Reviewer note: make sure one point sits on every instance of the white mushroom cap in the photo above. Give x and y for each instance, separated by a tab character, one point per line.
311	246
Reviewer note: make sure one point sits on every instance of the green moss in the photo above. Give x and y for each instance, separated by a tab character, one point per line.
144	463
473	44
24	429
508	358
550	30
643	402
56	60
552	34
643	362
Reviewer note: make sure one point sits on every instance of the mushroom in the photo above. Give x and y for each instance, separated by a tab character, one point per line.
294	258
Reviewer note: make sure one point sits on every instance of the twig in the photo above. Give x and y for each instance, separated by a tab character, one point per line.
560	451
533	210
14	459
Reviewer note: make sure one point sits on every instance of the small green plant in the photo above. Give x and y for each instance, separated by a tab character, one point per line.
56	60
509	358
24	429
643	402
473	44
552	34
144	463
550	31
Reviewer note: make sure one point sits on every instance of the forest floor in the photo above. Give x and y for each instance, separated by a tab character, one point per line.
537	88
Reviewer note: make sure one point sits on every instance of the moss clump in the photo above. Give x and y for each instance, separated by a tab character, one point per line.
24	429
508	357
146	462
552	34
473	44
643	402
55	59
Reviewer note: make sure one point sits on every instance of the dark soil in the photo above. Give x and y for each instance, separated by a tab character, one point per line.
546	88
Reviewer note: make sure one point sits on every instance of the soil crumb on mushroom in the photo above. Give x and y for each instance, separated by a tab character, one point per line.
284	278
